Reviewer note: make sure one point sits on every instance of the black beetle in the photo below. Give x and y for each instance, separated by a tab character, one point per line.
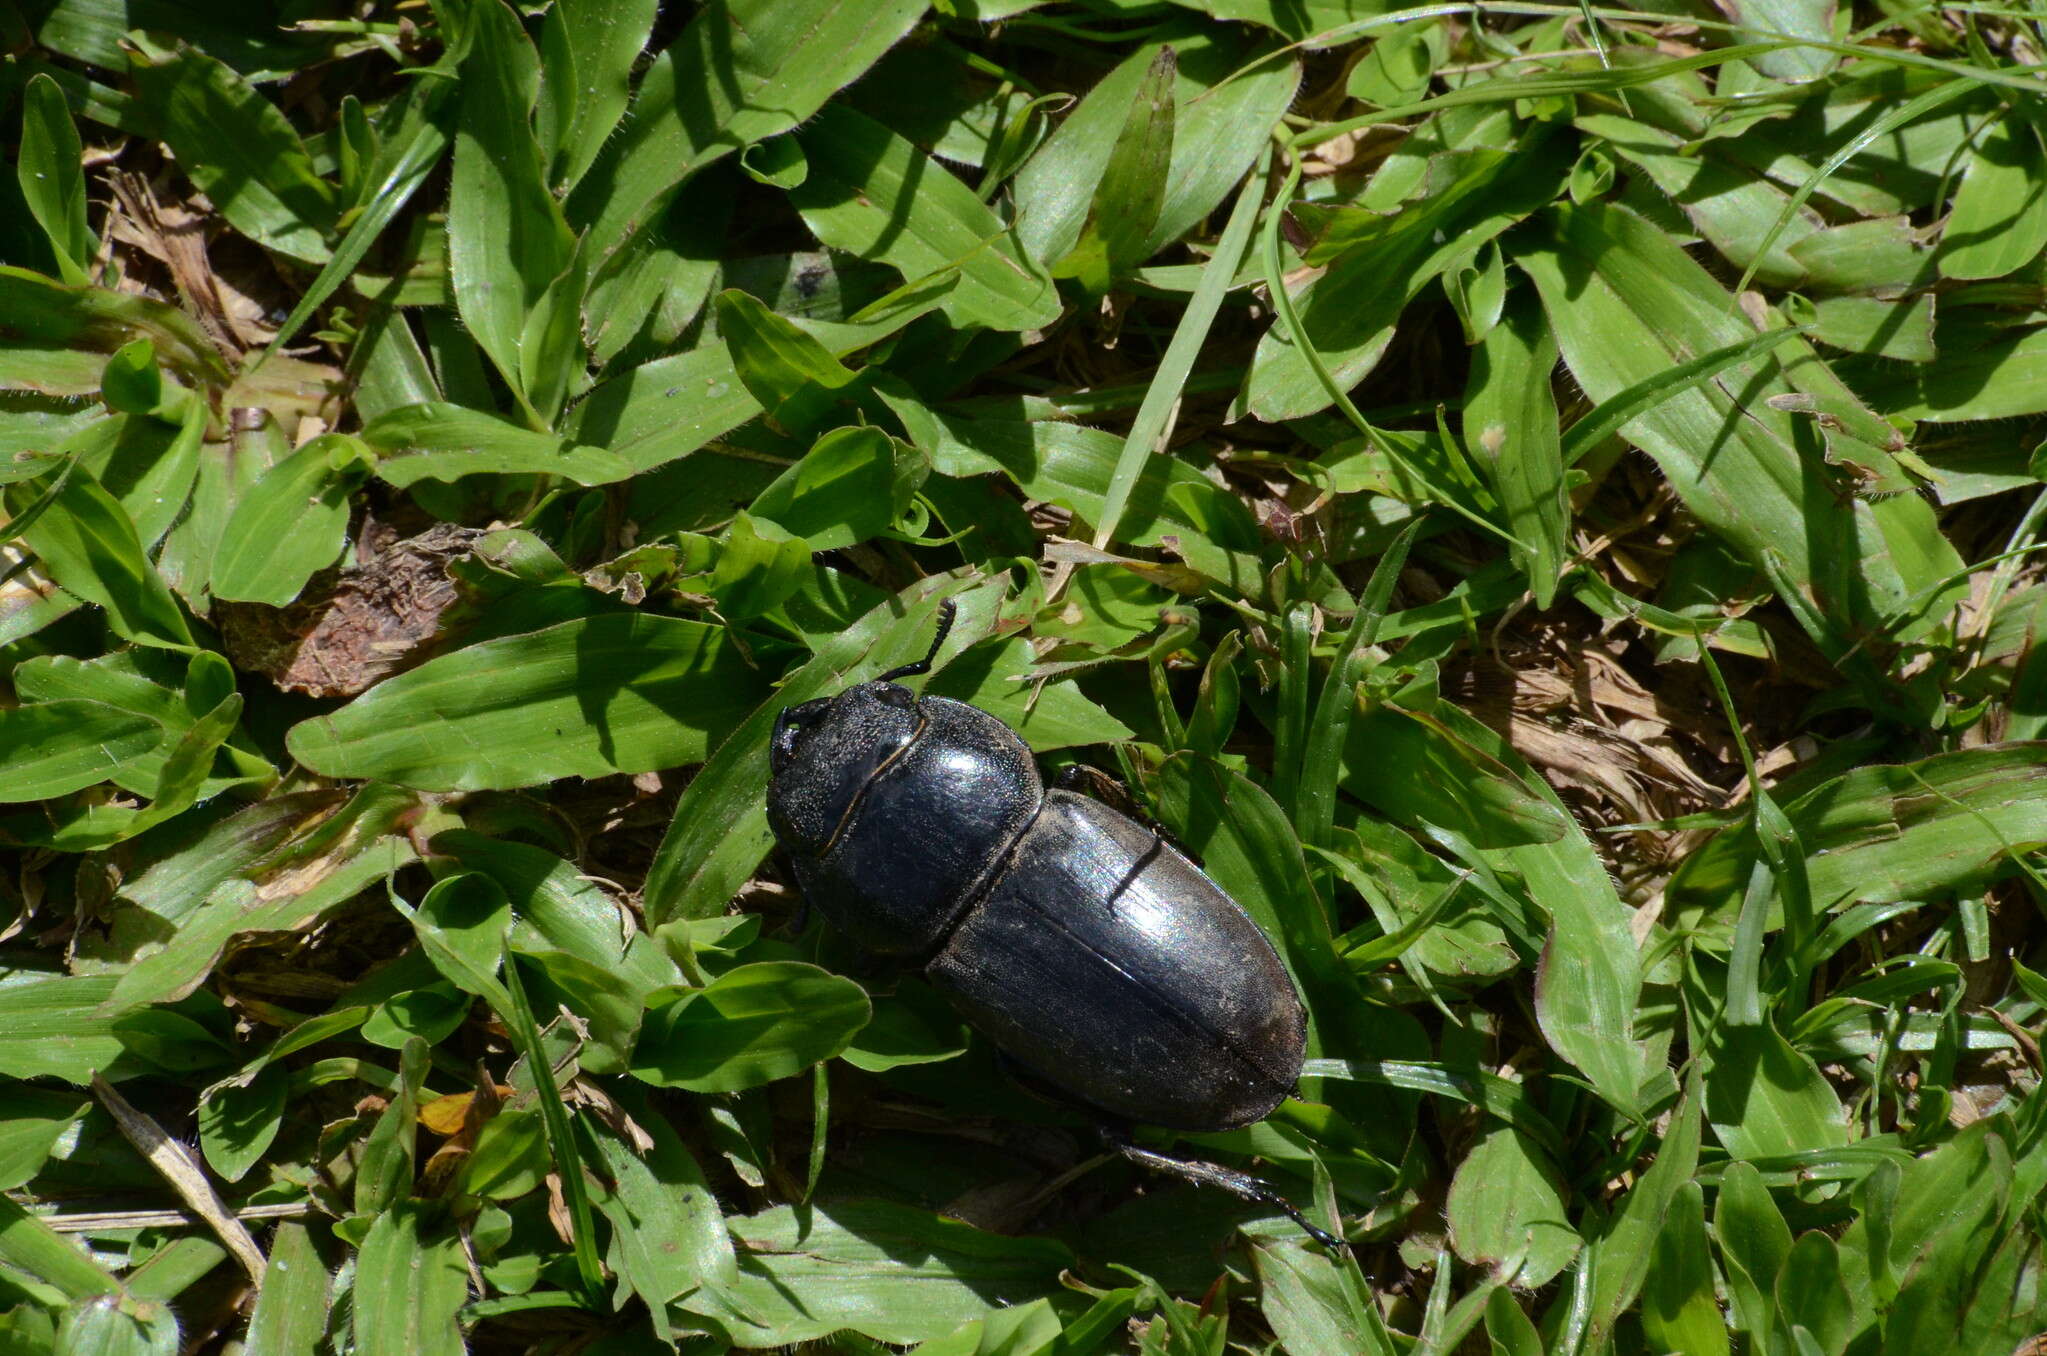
1093	955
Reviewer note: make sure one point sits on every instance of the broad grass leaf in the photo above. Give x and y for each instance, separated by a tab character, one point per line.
1627	1251
759	566
437	440
172	885
905	1031
1943	1229
1626	304
132	382
1133	187
557	908
1471	191
170	1041
850	486
1415	769
752	1025
1510	431
43	315
1501	1098
291	1307
1219	127
621	692
551	348
433	1013
461	926
2004	1311
510	1157
1985	371
51	1026
48	371
52	180
1508	1328
666	409
1159	410
53	748
741	72
235	146
873	194
1900	330
1999	221
291	524
89	545
1728	203
1026	1328
187	767
1218	699
778	163
225	474
387	1163
668	1233
1399	66
1074	466
1318	1303
610	1004
237	906
37	1118
655	287
1429	914
1506	1210
1477	288
720	831
412	1274
1312	22
110	1325
30	1245
1811	1296
412	136
891	1272
1754	1243
1048	715
1866	1242
238	1122
507	239
1882	257
588	48
1891	832
1809	19
1589	980
792	375
148	465
670	407
1679	1310
1764	1097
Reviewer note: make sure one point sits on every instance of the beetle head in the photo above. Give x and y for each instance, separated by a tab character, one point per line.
825	752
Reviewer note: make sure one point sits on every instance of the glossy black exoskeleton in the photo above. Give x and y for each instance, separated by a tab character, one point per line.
1086	948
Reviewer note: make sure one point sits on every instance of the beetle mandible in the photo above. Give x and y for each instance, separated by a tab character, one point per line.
1088	950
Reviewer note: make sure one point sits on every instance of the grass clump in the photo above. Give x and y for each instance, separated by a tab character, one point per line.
1540	500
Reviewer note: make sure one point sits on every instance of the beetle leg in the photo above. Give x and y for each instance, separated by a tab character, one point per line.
1229	1179
1137	868
1084	779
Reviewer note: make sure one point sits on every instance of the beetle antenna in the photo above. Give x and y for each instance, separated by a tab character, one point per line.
947	610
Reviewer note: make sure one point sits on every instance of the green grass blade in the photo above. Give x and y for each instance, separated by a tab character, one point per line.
1153	424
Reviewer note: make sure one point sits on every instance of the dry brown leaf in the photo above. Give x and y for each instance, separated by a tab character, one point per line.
179	1168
